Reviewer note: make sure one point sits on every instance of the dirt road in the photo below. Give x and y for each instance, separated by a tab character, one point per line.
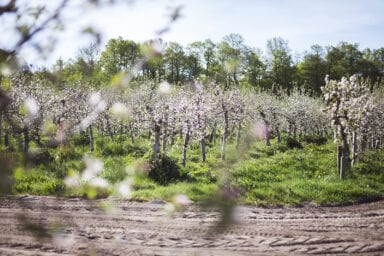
56	226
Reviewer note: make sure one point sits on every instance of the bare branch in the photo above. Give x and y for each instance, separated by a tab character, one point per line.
10	7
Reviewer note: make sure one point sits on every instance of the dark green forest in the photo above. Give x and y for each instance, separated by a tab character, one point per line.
229	62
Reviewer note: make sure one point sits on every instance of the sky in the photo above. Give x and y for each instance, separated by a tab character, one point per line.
301	22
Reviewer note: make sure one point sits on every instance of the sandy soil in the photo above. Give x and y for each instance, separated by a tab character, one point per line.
31	225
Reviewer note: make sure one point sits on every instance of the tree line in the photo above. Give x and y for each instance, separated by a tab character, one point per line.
229	62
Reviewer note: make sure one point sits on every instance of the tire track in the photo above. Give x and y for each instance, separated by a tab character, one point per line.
133	228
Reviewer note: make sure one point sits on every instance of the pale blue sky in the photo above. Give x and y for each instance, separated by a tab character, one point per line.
301	22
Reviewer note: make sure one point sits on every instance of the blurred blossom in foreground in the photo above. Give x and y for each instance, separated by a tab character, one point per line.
92	169
98	105
124	190
5	70
31	107
155	49
169	208
182	200
89	176
120	111
259	130
198	87
98	182
64	240
72	180
179	202
164	87
94	99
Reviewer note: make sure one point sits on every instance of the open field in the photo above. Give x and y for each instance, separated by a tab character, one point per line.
80	227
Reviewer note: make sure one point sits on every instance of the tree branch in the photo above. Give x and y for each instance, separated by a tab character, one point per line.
40	28
10	7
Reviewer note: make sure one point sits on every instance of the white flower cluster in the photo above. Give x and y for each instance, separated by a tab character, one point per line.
97	105
350	106
89	176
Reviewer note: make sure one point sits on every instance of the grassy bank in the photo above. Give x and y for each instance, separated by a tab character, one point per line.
265	176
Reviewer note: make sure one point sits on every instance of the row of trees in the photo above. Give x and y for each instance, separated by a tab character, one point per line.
158	111
356	116
229	62
194	112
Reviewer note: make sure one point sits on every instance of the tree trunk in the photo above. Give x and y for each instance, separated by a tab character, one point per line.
109	127
26	140
38	139
278	135
354	149
173	136
6	138
364	143
1	127
213	133
180	134
149	135
165	138
345	165
131	133
185	147
238	136
289	129
223	145
91	141
121	130
165	133
203	150
267	134
224	134
156	144
100	129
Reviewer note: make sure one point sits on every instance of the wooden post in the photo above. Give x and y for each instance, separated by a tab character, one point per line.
345	166
354	148
339	154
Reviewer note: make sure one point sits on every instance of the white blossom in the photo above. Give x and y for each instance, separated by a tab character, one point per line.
99	182
120	110
94	98
124	190
182	200
92	169
164	87
32	107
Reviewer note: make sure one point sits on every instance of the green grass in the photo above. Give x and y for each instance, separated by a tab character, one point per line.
37	182
148	190
266	176
299	176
